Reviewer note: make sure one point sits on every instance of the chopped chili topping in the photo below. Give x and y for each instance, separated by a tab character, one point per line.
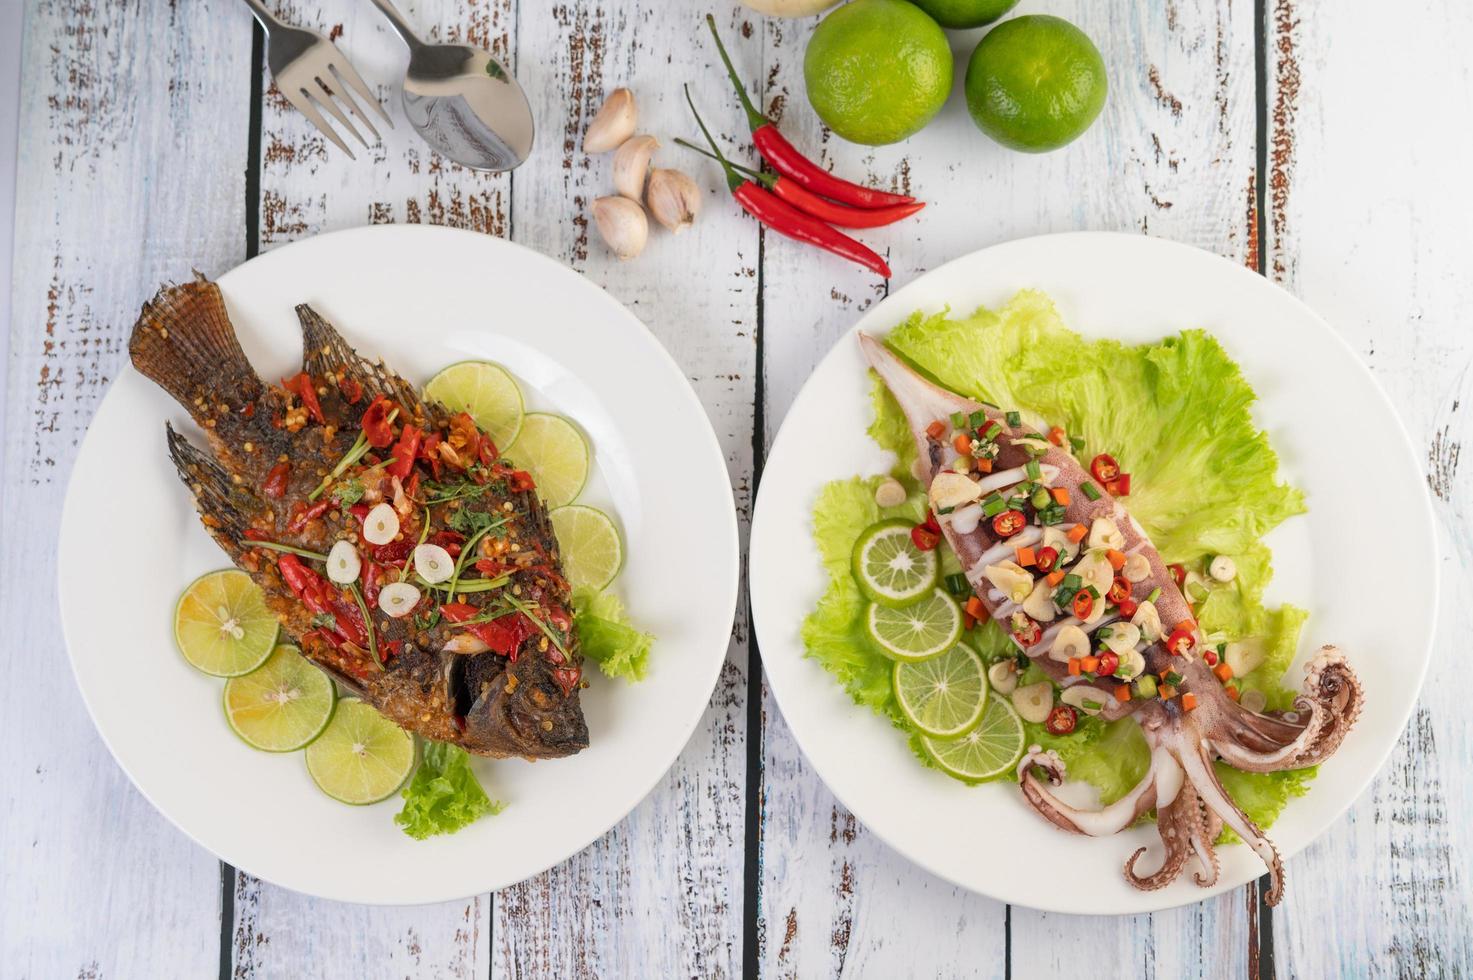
1061	720
1104	468
1008	523
375	425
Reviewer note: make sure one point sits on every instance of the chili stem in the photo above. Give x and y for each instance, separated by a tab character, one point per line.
526	610
733	179
755	119
766	180
367	624
274	546
474	585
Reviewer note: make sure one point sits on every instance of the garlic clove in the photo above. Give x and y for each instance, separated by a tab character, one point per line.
1137	568
1069	642
1033	702
1003	676
673	198
613	124
890	493
1123	638
433	563
1040	602
1244	656
1223	569
343	563
1084	697
1105	533
950	490
1148	621
380	525
398	599
622	225
632	165
1011	580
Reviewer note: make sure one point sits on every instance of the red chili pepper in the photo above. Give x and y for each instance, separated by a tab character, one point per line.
1104	467
312	590
1178	575
504	635
404	451
458	611
924	538
395	552
274	485
370	577
487	452
931	524
521	481
1008	523
1061	720
1044	559
1127	607
491	568
1109	662
1027	632
1119	591
449	540
301	386
375	425
1118	487
300	519
352	390
1180	642
1083	604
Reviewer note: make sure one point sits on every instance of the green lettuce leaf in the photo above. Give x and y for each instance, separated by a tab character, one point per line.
606	636
444	795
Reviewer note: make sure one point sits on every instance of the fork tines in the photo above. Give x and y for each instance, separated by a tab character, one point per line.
320	77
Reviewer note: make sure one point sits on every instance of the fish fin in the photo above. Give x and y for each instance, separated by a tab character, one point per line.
920	400
184	341
222	503
326	353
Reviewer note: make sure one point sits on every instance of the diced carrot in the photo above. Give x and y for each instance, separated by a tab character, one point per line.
1232	692
1027	557
1122	693
936	429
984	465
1187	625
1090	664
1117	559
975	609
1061	496
1074	666
962	443
1056	435
1077	533
1167	692
1189	700
1224	672
1054	578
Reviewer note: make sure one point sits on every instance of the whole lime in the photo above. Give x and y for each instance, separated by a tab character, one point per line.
1035	83
877	70
958	14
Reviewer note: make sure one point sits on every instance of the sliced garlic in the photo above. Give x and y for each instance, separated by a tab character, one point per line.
614	123
1003	676
1123	638
433	563
1104	533
343	564
1095	569
1223	568
1059	541
964	520
1137	568
1132	665
1244	656
381	525
398	599
632	165
950	490
890	493
1011	579
1040	603
1037	445
1148	621
1033	702
1069	642
1088	699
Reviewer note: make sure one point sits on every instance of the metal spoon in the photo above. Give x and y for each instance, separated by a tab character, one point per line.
462	102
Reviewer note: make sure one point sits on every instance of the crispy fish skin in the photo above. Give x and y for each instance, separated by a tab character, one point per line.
271	446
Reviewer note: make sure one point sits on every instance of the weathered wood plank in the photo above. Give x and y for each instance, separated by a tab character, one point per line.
130	166
1173	155
661	895
1353	229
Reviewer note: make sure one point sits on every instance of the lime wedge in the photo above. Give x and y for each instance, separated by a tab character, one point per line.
282	705
589	543
484	391
888	566
222	625
556	454
918	631
943	697
989	751
361	757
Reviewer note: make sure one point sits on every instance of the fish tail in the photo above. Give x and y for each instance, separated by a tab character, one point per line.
223	503
326	354
184	341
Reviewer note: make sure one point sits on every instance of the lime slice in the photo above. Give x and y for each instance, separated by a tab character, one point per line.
484	391
917	631
222	625
281	705
556	454
943	697
589	542
888	566
988	751
361	757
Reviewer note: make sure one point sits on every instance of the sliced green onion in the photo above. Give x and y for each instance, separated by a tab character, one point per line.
1071	581
1145	686
357	451
1173	678
470	585
1094	593
1092	705
1034	471
994	505
1076	443
958	420
956	584
1014	419
1090	490
367	625
1040	499
1155	594
273	546
976	419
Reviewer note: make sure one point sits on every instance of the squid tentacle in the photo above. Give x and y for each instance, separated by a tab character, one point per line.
1209	825
1161	781
1331	698
1179	824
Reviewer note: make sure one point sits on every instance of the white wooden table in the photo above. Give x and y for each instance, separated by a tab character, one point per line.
1326	145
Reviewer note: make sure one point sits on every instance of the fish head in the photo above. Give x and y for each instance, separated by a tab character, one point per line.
519	708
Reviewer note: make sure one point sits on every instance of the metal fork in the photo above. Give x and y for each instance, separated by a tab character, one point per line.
310	71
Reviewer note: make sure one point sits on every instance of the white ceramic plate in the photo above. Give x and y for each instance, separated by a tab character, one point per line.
1324	413
421	298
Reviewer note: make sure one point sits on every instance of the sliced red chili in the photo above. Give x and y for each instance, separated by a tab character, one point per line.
1180	642
1083	604
1109	663
1127	606
1118	487
302	517
404	451
1178	575
521	481
458	611
1104	467
375	424
352	390
1045	558
1025	630
274	486
1008	523
1119	591
301	386
1061	720
395	552
931	523
924	538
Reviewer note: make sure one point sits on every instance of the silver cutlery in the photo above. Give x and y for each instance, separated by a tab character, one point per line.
463	102
311	72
